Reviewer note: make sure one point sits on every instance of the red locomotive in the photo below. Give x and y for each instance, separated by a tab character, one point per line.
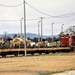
67	40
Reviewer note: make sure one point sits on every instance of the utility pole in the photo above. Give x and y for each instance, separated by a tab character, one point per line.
38	32
21	26
41	29
52	31
62	28
5	36
24	28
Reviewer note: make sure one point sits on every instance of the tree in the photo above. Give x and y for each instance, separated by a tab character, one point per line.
15	35
48	39
35	39
29	38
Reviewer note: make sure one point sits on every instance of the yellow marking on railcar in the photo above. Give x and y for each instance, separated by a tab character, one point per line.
0	50
34	49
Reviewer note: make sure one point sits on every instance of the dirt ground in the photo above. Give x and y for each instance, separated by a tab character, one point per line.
33	65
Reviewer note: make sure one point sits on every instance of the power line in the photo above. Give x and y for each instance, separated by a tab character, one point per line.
9	20
59	16
38	10
32	19
66	15
23	20
10	6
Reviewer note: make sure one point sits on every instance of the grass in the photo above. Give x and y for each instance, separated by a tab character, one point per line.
54	72
50	73
58	54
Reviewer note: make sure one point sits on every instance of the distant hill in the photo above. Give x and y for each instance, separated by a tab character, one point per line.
30	35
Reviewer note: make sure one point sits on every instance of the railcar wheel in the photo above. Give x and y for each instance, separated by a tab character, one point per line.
40	53
32	54
16	54
3	55
47	52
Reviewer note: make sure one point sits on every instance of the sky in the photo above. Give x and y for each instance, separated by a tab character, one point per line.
10	17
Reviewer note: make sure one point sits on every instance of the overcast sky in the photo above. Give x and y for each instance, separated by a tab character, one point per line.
50	7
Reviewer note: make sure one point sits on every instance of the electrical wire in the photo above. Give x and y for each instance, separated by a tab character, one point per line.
23	20
59	16
9	20
32	19
67	15
38	10
11	6
50	16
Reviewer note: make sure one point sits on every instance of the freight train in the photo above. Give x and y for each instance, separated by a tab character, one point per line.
15	46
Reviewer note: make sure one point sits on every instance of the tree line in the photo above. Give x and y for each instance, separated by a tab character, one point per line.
49	39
